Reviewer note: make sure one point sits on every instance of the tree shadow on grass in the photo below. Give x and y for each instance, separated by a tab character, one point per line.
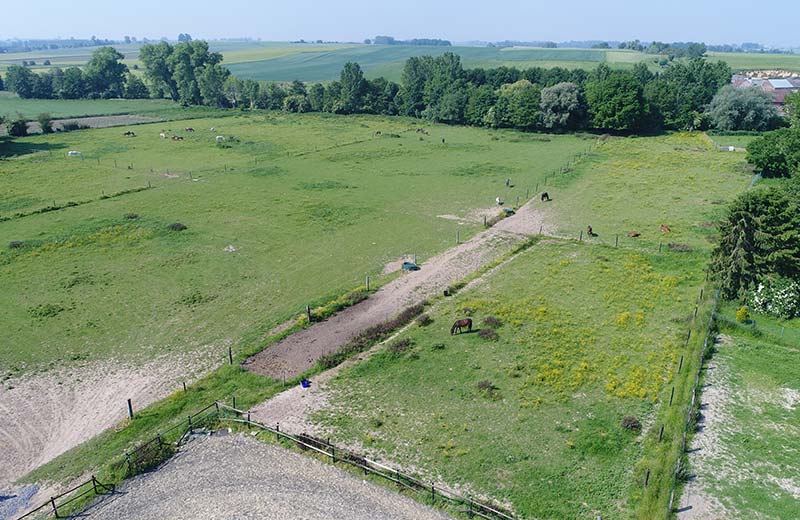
12	148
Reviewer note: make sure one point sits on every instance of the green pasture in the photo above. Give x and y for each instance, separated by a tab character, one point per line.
739	141
590	333
753	470
633	185
11	105
311	202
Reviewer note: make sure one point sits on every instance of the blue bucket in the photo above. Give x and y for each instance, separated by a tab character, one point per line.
305	383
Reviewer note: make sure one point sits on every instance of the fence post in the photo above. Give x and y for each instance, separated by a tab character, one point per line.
230	355
248	419
277	431
130	409
661	433
233	397
680	365
616	241
190	423
333	453
216	405
308	313
184	386
646	478
433	493
94	484
53	503
659	246
458	237
581	237
671	396
367	283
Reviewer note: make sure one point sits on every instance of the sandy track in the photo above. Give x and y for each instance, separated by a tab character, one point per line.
297	353
48	413
239	477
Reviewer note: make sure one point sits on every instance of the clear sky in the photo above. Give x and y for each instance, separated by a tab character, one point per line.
772	22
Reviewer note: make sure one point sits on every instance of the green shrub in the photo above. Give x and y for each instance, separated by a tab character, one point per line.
743	314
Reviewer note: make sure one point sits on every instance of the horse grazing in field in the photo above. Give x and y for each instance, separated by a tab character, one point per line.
545	197
461	324
589	231
634	234
177	138
665	228
129	134
188	129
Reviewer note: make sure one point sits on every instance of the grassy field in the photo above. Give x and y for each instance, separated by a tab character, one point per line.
750	61
752	468
313	203
11	105
739	141
590	333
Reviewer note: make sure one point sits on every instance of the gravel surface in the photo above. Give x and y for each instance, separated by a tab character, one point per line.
235	476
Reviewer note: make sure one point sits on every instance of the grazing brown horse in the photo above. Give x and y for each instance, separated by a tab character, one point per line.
460	324
665	228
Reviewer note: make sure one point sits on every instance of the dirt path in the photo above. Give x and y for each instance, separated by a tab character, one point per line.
696	502
235	476
298	352
46	414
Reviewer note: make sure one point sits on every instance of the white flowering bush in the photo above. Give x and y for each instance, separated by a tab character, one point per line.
776	296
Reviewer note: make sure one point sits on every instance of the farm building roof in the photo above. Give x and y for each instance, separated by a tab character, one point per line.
781	83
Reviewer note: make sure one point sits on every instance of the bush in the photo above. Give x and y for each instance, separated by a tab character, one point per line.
46	122
492	322
176	226
46	310
631	423
72	125
488	389
743	314
16	244
424	320
488	335
18	127
399	346
776	296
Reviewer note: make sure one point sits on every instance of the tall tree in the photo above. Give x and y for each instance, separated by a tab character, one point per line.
210	82
158	68
743	109
105	72
73	86
21	81
616	102
563	107
412	92
353	88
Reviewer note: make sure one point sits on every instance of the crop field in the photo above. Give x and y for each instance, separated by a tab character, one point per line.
309	203
747	461
584	334
752	61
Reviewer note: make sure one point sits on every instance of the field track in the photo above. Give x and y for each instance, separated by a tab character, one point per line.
298	352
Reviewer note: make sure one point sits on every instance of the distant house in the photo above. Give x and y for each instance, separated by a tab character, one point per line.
778	88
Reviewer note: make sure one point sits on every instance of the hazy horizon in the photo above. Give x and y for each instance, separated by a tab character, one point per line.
714	22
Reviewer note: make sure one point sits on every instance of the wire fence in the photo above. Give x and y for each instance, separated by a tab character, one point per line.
466	505
695	395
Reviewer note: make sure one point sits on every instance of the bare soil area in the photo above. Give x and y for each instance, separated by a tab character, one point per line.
45	414
235	476
96	122
297	353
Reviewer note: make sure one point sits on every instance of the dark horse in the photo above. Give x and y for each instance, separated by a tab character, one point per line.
466	322
545	196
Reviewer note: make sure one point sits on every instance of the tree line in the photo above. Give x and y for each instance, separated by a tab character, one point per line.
757	260
687	94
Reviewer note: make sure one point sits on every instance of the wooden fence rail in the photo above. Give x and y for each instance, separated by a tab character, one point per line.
468	505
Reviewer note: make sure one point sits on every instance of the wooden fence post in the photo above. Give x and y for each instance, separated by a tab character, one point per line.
671	395
55	510
661	433
130	409
277	431
581	237
367	283
616	241
230	355
233	397
433	493
94	484
646	478
184	386
659	246
308	313
458	237
680	365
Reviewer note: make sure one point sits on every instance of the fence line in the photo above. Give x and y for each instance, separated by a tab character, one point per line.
470	506
690	410
97	487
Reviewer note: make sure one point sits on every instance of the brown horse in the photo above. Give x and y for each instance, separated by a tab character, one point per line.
460	324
